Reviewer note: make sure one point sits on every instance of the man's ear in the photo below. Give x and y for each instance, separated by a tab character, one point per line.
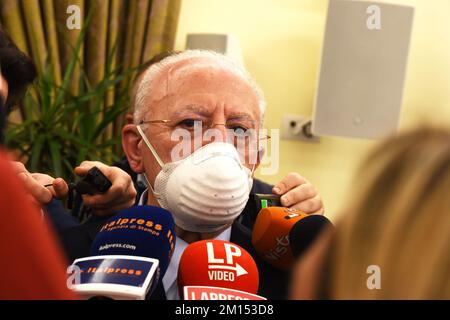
131	144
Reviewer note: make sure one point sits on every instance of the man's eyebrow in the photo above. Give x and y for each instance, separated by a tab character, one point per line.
198	109
242	116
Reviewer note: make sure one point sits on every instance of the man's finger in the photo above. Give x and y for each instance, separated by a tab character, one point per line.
85	166
81	171
60	188
298	194
290	181
310	206
18	167
42	179
38	191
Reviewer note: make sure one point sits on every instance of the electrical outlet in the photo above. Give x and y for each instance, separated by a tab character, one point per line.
296	127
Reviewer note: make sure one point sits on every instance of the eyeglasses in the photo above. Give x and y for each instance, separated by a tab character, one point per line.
235	130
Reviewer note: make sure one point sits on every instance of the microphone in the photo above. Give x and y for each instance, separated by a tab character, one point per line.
271	232
217	270
305	231
129	255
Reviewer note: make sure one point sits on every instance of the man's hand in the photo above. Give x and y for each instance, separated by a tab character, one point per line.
120	196
297	193
35	185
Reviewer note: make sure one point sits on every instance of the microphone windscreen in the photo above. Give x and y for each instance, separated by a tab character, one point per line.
218	263
305	231
144	231
270	235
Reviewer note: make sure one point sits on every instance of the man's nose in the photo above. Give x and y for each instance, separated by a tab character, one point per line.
217	132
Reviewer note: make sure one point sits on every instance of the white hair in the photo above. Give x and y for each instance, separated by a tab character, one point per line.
221	61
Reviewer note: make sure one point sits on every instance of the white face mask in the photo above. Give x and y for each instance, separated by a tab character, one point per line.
204	191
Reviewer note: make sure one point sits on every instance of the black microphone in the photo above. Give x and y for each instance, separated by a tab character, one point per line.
305	231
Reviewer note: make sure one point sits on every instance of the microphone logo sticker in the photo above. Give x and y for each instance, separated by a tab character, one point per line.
145	225
224	268
280	249
291	213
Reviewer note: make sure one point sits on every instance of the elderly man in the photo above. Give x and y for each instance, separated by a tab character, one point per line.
206	188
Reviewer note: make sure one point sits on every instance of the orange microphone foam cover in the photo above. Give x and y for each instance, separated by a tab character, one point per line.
270	235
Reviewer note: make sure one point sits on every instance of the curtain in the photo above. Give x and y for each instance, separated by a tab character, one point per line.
119	34
139	29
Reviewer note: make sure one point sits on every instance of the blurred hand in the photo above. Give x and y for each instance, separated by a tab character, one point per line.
297	193
35	185
120	196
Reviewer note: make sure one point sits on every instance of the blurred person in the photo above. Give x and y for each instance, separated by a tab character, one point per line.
31	262
398	220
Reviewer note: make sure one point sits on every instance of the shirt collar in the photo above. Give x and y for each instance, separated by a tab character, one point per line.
143	198
141	179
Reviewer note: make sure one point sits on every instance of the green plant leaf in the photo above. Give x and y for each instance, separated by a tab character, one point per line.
55	153
36	150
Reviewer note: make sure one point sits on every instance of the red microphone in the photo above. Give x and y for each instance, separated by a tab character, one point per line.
217	270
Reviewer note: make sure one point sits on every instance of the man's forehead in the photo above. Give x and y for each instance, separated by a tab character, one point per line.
193	62
204	81
198	73
198	67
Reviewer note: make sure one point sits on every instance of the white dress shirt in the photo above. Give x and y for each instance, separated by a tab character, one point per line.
170	277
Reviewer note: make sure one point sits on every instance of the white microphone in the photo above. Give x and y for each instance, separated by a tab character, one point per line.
115	277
